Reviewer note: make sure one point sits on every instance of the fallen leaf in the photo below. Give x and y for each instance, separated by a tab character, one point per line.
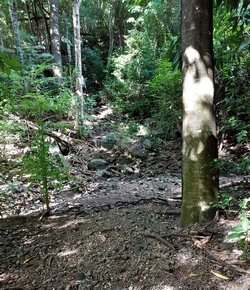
102	237
219	275
28	259
197	245
192	275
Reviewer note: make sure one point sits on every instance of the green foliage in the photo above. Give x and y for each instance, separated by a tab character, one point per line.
8	68
231	49
42	167
93	65
241	232
225	200
31	104
132	68
123	134
166	95
7	65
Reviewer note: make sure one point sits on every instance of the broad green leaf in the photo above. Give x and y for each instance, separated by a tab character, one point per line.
234	236
245	43
237	229
245	224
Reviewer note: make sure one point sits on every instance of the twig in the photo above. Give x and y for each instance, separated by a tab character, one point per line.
158	237
233	268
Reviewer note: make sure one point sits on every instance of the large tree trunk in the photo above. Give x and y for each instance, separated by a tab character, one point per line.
78	66
199	176
55	38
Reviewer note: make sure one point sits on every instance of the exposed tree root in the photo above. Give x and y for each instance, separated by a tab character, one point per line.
158	237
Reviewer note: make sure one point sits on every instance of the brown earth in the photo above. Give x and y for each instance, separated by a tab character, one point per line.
120	233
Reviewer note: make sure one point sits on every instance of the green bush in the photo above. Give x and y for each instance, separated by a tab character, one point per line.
166	94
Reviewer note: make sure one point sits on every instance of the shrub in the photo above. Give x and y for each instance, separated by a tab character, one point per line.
166	94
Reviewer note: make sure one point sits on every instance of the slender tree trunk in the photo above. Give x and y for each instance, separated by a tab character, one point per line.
29	21
199	176
111	32
14	20
78	66
68	43
45	18
55	38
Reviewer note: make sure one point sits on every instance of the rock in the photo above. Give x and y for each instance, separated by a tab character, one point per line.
107	174
110	141
94	143
147	144
80	276
161	187
97	164
18	187
127	170
139	151
104	173
226	246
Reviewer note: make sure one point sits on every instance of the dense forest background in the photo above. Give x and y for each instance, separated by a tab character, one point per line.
130	60
98	143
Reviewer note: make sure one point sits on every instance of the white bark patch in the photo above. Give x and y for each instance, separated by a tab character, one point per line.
198	91
203	206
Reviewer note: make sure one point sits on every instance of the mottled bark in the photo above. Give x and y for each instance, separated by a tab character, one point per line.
78	66
199	177
68	43
55	39
14	20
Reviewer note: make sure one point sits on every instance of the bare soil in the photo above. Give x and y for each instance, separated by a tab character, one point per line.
120	233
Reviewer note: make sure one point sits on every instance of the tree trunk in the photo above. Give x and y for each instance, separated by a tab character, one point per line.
111	33
55	38
68	43
14	20
199	176
44	12
78	66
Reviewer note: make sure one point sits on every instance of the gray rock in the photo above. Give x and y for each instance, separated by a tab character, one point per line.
147	144
139	151
97	164
110	141
127	170
226	246
80	276
107	174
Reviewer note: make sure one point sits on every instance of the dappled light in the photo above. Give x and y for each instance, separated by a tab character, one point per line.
124	145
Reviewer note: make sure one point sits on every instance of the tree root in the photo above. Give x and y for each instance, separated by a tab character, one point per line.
158	237
233	268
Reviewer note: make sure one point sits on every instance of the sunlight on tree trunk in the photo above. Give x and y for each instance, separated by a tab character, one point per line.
111	32
199	177
78	66
55	38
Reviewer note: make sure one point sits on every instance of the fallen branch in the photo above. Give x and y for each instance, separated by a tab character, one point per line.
236	183
62	139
